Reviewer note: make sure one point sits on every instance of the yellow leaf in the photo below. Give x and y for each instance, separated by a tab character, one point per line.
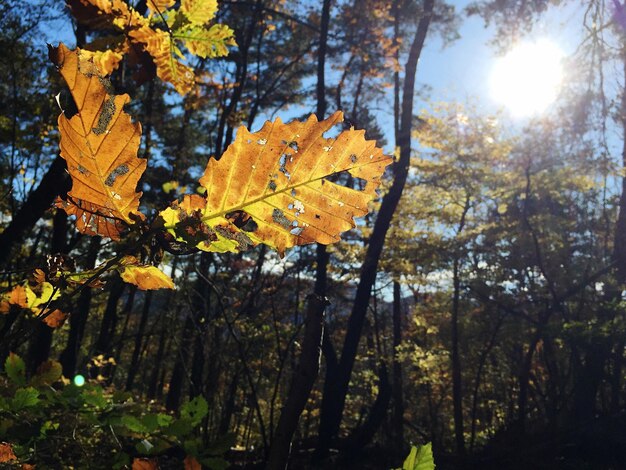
47	294
159	45
199	11
207	43
105	61
100	145
147	277
276	187
159	6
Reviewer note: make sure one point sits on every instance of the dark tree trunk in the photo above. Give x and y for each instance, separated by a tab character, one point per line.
335	392
398	398
303	380
322	256
78	318
54	183
109	318
41	341
133	368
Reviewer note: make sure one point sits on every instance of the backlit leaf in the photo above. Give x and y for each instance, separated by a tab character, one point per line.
276	187
159	6
199	11
147	277
207	43
188	25
100	145
420	458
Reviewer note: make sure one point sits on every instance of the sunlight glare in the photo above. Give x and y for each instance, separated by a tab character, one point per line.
528	78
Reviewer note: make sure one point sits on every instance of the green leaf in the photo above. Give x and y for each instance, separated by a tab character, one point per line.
24	398
420	458
15	369
195	410
154	421
95	398
133	424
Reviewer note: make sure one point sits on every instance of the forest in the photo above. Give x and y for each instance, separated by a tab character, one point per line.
243	235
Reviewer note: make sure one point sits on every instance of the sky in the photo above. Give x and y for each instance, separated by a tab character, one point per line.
461	71
456	72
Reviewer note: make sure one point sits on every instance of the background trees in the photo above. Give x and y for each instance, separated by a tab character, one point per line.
478	307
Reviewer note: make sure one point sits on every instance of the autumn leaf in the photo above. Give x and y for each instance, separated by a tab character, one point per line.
6	453
55	319
144	464
159	6
276	187
16	297
145	277
187	25
191	463
47	373
99	144
199	11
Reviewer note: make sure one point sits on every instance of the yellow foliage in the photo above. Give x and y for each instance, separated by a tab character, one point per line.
274	187
145	277
189	25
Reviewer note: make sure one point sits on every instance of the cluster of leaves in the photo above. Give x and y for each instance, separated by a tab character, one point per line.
47	421
189	25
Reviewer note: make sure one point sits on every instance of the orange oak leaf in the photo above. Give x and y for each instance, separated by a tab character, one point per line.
16	297
6	452
144	464
55	319
281	186
191	463
99	144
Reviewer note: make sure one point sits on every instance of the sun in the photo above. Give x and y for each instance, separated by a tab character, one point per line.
527	79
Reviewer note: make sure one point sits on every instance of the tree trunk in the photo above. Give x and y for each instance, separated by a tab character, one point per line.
41	341
302	384
398	398
133	368
334	397
78	318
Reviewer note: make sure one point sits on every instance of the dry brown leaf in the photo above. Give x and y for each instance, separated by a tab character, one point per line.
100	145
191	463
6	453
144	464
275	187
55	319
16	297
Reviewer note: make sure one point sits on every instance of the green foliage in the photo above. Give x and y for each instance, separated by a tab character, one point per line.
53	423
420	458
